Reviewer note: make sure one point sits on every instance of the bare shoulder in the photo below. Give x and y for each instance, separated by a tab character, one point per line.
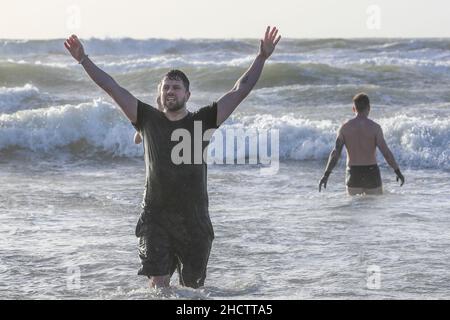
347	124
374	125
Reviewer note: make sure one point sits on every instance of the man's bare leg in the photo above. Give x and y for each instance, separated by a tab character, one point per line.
356	191
159	281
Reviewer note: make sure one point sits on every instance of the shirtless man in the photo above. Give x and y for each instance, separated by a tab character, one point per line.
361	136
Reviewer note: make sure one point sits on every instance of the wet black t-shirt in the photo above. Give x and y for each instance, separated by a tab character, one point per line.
176	193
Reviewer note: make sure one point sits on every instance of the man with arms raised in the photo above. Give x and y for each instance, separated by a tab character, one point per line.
361	136
174	228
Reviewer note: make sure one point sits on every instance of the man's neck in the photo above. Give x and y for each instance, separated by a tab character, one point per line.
362	115
175	115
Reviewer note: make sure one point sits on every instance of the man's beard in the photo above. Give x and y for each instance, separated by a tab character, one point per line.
178	105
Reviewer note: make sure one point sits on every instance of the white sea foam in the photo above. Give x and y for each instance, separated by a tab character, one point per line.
97	124
422	142
12	99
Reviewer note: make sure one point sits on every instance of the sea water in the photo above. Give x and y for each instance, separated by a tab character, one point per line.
71	178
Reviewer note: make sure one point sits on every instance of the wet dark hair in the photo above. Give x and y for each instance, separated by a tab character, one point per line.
362	102
178	75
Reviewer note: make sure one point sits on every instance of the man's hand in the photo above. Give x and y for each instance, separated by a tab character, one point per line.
230	100
267	45
400	177
324	180
126	101
74	46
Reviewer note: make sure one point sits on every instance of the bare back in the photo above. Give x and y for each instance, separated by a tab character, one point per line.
360	138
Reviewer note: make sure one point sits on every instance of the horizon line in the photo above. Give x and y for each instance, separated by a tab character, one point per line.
233	38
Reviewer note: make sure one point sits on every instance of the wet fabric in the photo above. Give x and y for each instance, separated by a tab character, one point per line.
367	177
174	228
176	193
161	253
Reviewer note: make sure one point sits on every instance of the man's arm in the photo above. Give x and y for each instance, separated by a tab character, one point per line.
126	101
229	102
387	154
385	151
332	161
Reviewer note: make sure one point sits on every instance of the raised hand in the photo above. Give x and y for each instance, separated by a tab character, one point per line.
268	44
74	46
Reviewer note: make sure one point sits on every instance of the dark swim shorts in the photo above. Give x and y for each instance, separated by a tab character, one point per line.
367	177
161	253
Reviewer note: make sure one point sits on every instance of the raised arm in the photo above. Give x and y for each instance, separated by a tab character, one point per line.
387	154
332	160
126	101
229	102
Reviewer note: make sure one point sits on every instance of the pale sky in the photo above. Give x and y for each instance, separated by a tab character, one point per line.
48	19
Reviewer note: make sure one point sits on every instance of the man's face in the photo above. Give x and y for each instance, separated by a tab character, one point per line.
173	94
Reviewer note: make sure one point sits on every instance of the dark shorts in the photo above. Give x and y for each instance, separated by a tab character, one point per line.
161	254
367	177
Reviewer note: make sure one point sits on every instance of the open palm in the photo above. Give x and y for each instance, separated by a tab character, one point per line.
270	41
74	46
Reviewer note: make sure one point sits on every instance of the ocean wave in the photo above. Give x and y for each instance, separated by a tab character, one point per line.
404	45
211	75
421	142
410	62
223	77
16	74
383	97
125	54
96	126
99	128
134	62
204	76
19	98
126	46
